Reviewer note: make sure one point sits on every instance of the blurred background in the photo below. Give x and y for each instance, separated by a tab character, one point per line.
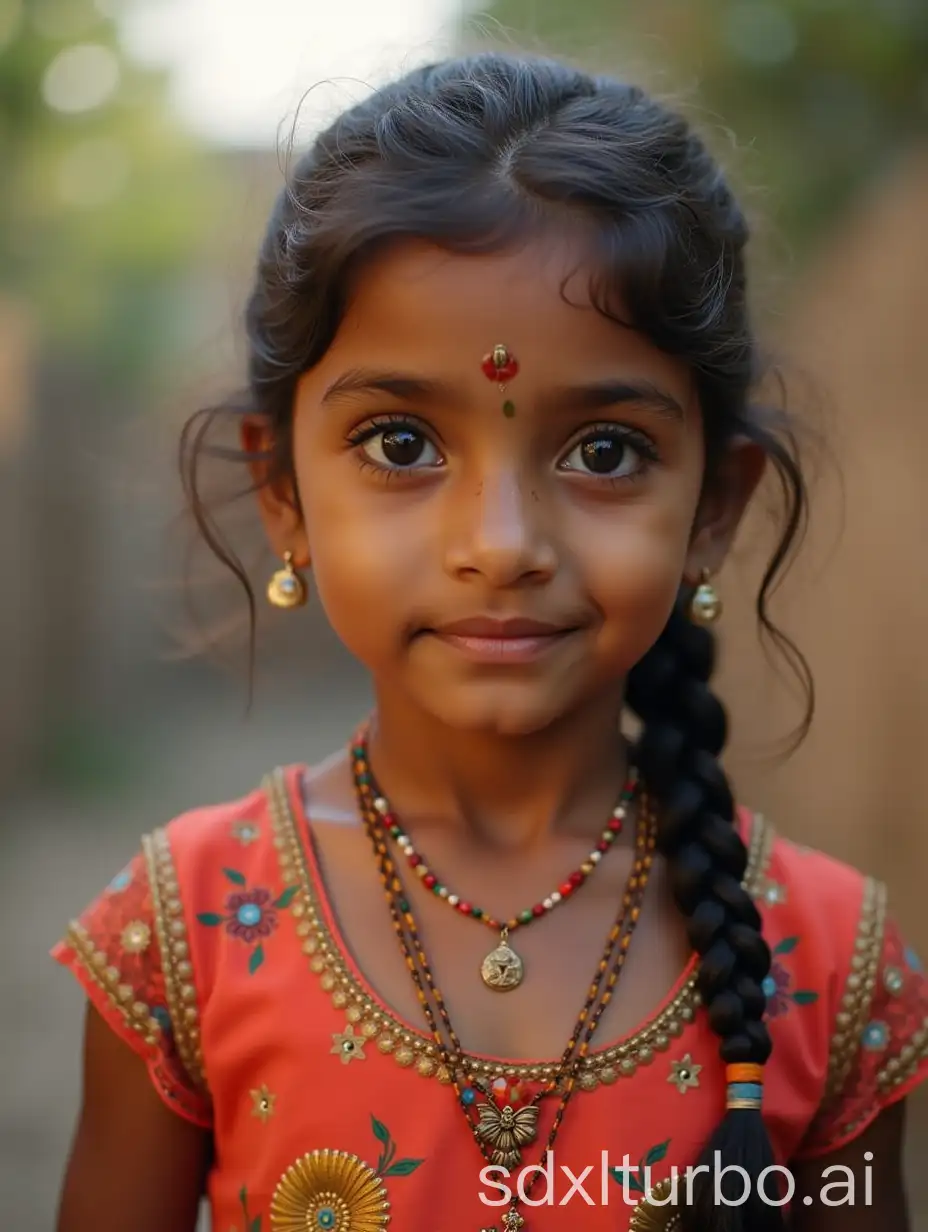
141	145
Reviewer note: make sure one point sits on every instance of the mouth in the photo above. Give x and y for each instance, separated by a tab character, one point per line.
484	640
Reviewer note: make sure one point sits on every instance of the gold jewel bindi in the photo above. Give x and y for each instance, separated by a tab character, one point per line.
501	366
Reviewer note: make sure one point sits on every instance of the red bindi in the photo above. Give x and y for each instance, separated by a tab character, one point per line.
501	366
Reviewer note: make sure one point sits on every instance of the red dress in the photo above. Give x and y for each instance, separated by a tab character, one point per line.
216	957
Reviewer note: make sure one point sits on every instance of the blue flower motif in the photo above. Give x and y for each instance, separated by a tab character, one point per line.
325	1218
249	914
875	1036
120	881
912	960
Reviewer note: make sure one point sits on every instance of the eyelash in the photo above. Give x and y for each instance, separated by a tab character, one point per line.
643	446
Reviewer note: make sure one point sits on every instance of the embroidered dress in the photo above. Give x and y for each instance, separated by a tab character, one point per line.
215	955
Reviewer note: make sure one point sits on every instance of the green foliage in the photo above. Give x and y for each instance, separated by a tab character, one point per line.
820	94
101	206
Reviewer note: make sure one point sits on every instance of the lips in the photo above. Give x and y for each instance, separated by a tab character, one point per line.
516	641
517	628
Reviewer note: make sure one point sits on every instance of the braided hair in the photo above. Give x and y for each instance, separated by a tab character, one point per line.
474	155
684	730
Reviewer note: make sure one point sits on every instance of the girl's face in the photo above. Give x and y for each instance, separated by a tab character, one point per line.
499	565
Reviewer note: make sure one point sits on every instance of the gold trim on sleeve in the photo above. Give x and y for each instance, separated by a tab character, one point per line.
134	1013
179	988
854	1010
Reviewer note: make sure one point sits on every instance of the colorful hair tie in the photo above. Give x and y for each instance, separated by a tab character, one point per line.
745	1086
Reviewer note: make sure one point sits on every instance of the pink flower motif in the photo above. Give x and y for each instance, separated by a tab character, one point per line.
250	914
776	990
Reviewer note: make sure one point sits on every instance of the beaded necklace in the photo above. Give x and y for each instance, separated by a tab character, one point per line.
502	969
501	1133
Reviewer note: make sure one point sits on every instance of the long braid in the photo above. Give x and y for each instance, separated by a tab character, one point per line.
684	732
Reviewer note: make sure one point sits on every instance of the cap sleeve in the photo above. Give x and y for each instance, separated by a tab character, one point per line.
115	951
880	1041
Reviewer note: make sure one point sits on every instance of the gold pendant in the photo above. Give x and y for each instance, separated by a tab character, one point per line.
507	1130
502	968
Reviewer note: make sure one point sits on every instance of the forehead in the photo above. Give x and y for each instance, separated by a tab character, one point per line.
416	300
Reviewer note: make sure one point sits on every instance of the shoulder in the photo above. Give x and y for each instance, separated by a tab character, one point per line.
136	948
847	998
813	893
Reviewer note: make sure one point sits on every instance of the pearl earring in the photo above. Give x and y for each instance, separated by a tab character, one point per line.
705	605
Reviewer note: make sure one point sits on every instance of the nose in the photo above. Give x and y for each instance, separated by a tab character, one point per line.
499	529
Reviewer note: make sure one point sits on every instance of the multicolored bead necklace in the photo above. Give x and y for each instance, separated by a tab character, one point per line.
501	1133
502	969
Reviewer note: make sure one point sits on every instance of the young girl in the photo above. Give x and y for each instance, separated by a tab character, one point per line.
498	965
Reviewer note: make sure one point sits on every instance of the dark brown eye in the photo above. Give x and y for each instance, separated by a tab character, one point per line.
400	448
607	454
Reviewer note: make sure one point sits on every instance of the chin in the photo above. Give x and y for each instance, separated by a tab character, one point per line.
499	710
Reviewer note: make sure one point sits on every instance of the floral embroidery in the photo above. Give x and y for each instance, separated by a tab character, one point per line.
912	960
246	832
332	1191
684	1074
250	1225
638	1179
893	981
348	1046
135	937
658	1212
263	1102
120	882
249	915
875	1036
776	986
772	893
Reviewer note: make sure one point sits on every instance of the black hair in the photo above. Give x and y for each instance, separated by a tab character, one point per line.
475	154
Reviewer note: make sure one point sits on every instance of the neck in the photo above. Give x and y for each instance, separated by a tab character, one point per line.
509	793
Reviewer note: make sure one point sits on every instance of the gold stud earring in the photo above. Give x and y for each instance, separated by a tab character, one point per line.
705	605
286	588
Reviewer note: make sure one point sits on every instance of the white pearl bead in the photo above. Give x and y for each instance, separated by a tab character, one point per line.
381	805
555	897
453	900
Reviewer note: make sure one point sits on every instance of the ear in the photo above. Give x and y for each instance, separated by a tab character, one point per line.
722	508
278	503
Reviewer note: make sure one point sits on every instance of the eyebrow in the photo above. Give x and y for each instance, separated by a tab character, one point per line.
593	396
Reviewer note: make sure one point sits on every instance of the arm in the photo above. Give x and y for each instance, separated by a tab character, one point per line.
135	1166
854	1180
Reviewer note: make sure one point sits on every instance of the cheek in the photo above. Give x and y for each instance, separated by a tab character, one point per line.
366	553
633	565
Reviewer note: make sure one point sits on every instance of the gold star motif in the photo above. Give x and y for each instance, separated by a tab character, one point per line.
263	1101
136	937
684	1074
348	1046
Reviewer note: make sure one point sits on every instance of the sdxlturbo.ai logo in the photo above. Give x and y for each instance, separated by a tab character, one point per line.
552	1184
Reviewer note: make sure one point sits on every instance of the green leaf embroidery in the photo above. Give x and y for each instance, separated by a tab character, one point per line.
805	996
255	1224
381	1133
257	958
634	1185
285	899
657	1153
243	1197
787	945
210	917
236	878
403	1167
